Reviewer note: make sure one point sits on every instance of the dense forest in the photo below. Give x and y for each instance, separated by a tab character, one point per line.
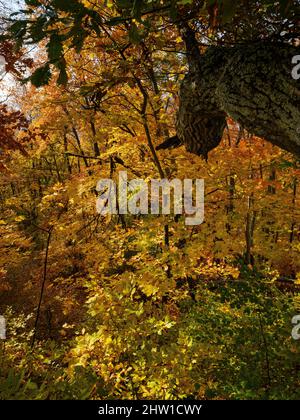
141	305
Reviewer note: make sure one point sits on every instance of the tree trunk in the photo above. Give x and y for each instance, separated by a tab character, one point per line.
253	84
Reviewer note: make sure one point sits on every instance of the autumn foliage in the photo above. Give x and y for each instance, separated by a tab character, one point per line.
140	307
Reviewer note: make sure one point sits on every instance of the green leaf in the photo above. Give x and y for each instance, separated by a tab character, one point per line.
96	21
67	5
63	75
78	37
184	2
229	10
134	34
137	9
41	76
32	2
18	28
54	48
63	78
37	29
124	4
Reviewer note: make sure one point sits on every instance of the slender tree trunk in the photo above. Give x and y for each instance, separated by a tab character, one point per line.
292	234
95	143
250	226
67	157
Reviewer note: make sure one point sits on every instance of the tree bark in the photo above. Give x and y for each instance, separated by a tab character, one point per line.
253	84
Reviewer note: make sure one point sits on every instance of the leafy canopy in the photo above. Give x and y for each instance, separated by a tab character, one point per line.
66	24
